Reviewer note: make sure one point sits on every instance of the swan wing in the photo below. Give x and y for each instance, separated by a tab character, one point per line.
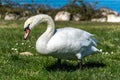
70	40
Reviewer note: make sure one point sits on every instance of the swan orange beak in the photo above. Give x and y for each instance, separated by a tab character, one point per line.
27	32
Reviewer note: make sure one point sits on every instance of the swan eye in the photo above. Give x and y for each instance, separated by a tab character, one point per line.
27	27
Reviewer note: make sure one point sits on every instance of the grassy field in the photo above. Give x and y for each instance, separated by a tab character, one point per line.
13	66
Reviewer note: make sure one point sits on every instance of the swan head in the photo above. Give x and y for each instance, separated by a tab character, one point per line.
30	23
33	21
27	28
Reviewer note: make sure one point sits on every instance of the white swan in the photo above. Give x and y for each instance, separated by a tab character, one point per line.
63	43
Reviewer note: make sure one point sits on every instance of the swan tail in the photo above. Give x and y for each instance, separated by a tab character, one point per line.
94	49
94	44
90	50
94	41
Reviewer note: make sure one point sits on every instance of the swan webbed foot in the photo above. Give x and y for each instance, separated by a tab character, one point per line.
79	57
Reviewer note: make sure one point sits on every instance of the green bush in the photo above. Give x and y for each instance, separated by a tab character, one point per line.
86	9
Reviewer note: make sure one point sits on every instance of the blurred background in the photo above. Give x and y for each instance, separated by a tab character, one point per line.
98	17
62	10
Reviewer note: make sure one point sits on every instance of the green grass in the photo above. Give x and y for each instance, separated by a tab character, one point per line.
13	66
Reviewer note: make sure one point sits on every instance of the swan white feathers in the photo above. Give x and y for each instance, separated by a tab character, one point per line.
63	43
67	42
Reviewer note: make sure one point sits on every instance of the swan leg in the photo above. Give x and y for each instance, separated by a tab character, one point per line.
79	56
58	63
80	63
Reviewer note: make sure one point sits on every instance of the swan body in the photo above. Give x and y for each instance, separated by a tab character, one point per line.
67	42
63	43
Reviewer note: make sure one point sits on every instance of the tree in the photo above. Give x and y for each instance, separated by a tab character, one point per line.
85	8
0	2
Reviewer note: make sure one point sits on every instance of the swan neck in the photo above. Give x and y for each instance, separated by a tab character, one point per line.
50	25
43	40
